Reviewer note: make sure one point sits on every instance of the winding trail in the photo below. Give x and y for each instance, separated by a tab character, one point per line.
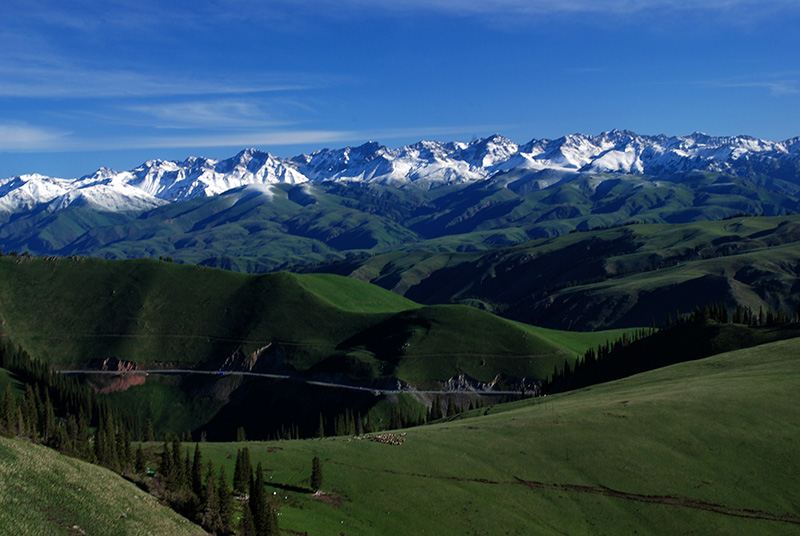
666	500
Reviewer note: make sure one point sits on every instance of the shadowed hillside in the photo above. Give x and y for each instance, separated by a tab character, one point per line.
624	276
122	316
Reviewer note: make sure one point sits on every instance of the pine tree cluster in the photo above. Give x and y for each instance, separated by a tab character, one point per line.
60	412
207	500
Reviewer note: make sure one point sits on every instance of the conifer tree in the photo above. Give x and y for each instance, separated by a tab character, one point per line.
21	426
436	409
49	421
9	411
246	525
101	443
316	474
165	467
271	528
225	502
238	479
197	467
179	479
139	464
124	447
82	442
100	439
30	413
258	502
243	471
149	435
72	433
187	471
395	420
210	518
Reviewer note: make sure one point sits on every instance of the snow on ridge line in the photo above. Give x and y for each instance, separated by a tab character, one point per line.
424	164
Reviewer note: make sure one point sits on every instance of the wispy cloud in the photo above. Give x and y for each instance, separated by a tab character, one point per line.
15	138
20	137
776	88
153	17
60	78
780	84
239	139
210	114
23	138
540	7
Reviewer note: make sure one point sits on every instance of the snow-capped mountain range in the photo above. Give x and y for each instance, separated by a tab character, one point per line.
426	164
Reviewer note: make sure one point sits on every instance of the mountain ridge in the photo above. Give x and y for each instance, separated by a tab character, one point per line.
424	165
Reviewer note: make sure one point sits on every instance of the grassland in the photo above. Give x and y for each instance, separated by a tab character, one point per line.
72	312
76	312
705	447
618	277
45	493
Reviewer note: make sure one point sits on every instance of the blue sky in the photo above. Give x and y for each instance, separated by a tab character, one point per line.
85	83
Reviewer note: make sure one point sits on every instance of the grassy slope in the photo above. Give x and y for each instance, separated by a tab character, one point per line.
151	311
685	342
706	447
353	295
43	492
70	311
612	277
575	342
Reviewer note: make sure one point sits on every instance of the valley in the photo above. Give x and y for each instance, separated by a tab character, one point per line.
297	332
702	444
416	268
470	338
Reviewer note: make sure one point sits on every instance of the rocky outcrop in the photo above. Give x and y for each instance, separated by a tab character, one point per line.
270	358
501	382
112	364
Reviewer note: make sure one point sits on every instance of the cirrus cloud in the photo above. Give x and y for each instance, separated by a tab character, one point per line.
20	137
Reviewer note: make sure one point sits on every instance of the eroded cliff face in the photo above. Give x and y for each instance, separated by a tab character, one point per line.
111	383
268	358
258	390
501	382
112	364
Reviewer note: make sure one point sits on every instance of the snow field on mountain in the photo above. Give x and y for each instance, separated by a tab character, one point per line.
426	165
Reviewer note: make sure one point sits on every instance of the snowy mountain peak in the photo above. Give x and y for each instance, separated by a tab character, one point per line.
425	164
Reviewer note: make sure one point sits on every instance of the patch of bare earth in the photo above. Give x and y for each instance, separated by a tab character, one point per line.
328	498
122	382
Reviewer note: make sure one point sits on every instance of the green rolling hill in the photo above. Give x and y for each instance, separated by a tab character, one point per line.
617	277
705	447
73	312
83	313
44	492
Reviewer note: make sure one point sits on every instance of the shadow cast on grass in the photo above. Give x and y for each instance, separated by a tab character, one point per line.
288	487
